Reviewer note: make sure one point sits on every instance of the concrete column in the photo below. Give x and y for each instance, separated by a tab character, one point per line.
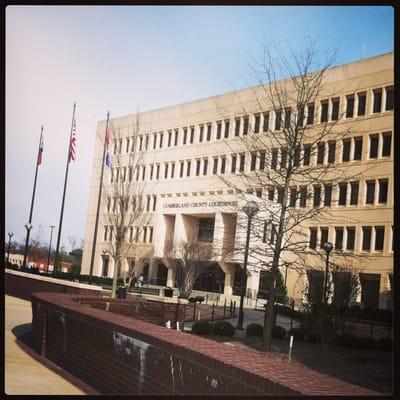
253	282
229	270
171	277
218	234
153	264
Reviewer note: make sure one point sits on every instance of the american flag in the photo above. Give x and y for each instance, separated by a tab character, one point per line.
72	148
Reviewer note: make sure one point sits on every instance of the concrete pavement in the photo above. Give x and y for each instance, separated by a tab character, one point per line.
24	374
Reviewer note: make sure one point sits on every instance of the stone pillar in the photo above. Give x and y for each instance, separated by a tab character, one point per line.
229	270
171	277
153	264
218	234
253	282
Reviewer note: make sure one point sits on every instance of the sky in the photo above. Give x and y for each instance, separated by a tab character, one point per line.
129	58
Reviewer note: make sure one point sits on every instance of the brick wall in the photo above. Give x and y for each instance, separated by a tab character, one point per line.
22	285
118	354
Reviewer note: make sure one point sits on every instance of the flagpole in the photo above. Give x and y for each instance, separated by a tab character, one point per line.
98	202
65	187
28	226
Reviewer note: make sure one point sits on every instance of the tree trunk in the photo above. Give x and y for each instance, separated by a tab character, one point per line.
269	316
115	278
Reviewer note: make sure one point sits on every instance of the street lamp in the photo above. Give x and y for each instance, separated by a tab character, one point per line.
10	235
328	247
28	227
250	209
51	235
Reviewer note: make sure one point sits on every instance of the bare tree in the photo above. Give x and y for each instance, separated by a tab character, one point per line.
286	174
127	211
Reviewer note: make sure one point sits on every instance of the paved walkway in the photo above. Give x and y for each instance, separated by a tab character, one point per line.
23	373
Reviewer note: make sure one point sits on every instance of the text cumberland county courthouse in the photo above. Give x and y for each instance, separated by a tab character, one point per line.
189	154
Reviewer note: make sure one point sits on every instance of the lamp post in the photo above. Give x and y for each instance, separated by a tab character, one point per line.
250	209
28	227
10	235
328	247
51	235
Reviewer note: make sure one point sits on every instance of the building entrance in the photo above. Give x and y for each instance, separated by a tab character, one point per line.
212	279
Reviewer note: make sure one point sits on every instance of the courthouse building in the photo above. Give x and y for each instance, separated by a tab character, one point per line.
187	148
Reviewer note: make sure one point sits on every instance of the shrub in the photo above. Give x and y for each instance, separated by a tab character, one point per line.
254	330
223	328
202	327
346	340
298	333
384	344
278	332
365	343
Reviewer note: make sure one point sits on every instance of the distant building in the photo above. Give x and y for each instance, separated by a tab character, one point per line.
41	263
187	148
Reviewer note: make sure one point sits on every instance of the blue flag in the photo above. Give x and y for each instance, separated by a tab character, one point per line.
107	160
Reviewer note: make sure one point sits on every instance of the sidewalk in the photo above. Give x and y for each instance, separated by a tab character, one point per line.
24	374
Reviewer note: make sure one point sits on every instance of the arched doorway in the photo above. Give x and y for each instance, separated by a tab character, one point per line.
212	279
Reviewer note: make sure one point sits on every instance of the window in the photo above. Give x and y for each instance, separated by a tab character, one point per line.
154	140
237	126
362	99
208	132
127	145
206	230
300	116
303	196
140	143
245	125
377	105
165	170
358	141
273	234
324	111
278	120
150	234
283	157
327	195
188	168
313	238
176	137
161	139
201	133
288	113
386	144
181	170
172	170
271	192
354	186
158	171
293	197
342	193
370	192
154	203
262	160
349	106
266	122
389	98
169	138
148	198
256	123
346	150
307	155
338	238
373	146
274	159
242	160
324	237
296	157
105	232
233	166
320	153
184	135
280	195
215	166
219	130
197	167
264	239
383	190
191	134
317	196
335	109
253	161
223	164
310	114
331	152
143	172
366	242
205	166
226	135
379	237
351	235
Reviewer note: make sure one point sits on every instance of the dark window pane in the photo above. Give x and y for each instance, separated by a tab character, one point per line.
266	122
273	234
181	170
197	167
303	196
379	237
271	194
283	157
233	166
324	111
253	161
358	148
293	197
366	243
316	284
245	125
242	159
342	194
215	166
377	100
237	126
346	150
362	99
166	171
176	136
169	138
313	238
339	238
310	114
317	196
262	160
188	168
383	190
331	152
354	193
154	141
223	163
205	166
387	144
296	159
226	135
278	120
265	232
208	132
288	113
328	195
351	235
307	155
320	153
280	195
389	98
256	123
219	130
373	146
300	116
335	109
191	134
206	230
184	135
370	192
274	159
349	106
324	237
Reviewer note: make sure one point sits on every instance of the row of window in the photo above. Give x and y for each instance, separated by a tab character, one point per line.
134	234
376	192
133	203
372	238
260	122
